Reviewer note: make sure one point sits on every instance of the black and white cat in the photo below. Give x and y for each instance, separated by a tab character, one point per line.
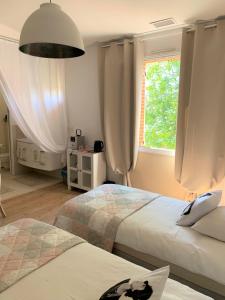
136	290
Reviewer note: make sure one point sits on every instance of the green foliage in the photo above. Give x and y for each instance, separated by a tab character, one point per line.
162	86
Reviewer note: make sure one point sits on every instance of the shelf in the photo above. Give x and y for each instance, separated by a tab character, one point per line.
74	152
86	188
86	171
87	154
73	169
74	185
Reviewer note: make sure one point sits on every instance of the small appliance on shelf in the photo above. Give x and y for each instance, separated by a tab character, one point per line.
98	146
77	140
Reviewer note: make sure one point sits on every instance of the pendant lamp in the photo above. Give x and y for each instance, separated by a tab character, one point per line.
51	33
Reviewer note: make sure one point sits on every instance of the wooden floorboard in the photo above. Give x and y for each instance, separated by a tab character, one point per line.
41	205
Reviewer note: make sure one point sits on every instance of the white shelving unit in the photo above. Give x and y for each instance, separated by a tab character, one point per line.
85	170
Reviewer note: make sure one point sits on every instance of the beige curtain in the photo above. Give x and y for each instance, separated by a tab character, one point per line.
200	150
121	77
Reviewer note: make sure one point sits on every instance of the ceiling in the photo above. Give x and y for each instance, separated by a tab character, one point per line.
100	20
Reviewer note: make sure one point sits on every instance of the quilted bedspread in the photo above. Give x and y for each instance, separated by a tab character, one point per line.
26	245
96	215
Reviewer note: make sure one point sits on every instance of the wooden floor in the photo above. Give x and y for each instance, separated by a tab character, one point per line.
41	205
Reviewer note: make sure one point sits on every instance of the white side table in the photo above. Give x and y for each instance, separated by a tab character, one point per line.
85	170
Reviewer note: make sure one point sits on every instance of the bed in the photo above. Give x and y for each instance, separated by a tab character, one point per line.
150	237
80	272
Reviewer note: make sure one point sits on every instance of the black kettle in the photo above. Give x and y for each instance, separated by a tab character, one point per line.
98	146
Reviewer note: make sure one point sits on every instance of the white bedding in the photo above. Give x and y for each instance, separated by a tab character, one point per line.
153	230
85	273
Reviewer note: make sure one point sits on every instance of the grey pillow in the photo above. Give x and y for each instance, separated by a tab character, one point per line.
202	205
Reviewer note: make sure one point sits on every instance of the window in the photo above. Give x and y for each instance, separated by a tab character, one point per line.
159	103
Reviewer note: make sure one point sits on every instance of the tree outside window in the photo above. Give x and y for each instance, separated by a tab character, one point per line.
161	99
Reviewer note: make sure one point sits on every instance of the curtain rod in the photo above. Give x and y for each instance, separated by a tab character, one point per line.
209	24
119	43
189	29
146	35
205	27
8	39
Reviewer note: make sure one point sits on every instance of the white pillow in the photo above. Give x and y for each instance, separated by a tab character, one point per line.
202	205
213	224
149	286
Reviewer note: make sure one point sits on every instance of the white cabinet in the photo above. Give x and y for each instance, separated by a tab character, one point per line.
85	170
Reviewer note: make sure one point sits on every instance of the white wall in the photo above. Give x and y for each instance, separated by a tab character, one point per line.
155	172
82	92
164	42
9	32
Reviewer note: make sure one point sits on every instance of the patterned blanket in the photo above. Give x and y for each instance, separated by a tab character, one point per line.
96	215
26	245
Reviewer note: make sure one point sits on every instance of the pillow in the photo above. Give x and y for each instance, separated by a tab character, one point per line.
213	224
199	208
149	286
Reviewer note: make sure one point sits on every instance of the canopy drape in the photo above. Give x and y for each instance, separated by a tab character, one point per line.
34	91
200	150
121	78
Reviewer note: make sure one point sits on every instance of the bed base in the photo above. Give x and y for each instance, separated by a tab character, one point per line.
200	283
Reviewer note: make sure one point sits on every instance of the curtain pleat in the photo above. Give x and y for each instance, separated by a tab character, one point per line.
122	72
200	150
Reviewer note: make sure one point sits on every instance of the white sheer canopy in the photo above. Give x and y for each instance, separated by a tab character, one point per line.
34	90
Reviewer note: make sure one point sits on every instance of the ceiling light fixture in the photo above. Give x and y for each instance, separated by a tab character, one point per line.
51	33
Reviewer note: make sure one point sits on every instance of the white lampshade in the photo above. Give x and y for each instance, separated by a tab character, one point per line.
51	33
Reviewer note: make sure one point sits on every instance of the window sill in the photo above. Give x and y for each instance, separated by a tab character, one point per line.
157	151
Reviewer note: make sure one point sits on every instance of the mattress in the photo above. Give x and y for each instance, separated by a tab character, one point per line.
85	273
153	231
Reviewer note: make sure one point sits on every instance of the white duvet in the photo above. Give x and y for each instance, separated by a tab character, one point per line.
153	230
85	273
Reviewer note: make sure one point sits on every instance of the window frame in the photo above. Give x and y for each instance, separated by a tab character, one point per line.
149	59
159	151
